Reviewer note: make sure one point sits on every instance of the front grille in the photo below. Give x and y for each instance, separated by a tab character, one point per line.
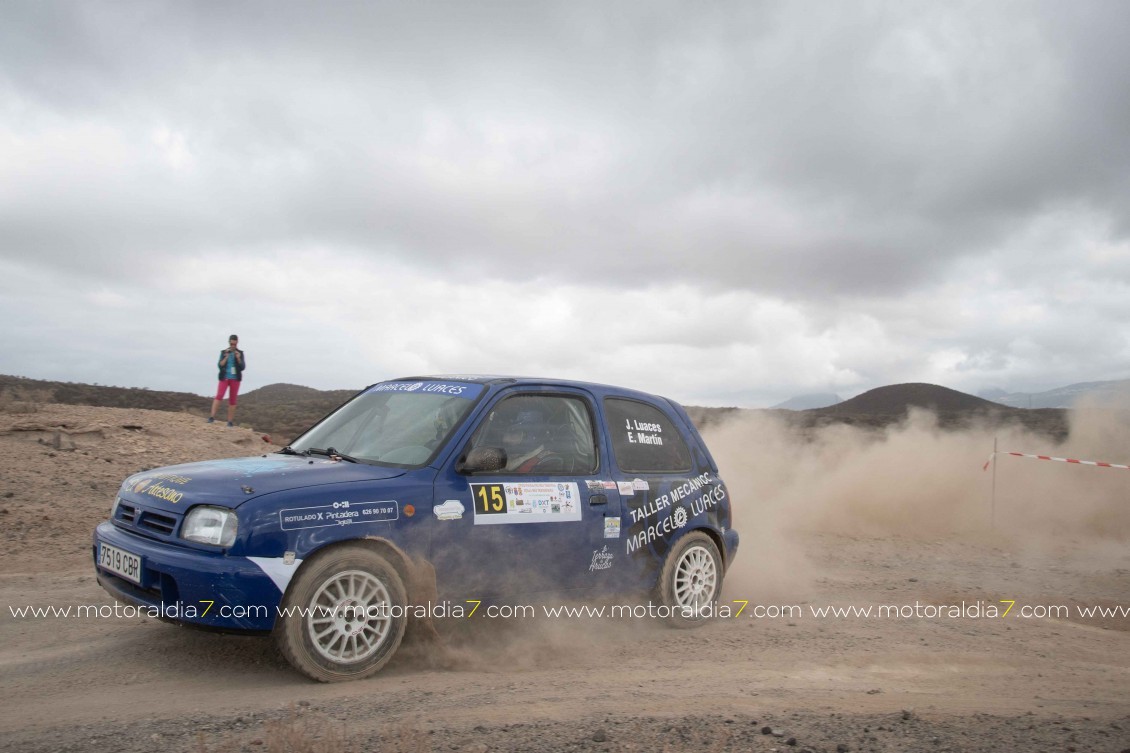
156	524
155	521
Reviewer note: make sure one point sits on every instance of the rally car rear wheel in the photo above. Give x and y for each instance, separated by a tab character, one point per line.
343	616
691	580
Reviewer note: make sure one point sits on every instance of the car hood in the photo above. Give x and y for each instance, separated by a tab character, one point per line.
231	482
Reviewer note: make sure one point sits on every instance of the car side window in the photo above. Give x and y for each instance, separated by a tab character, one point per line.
540	434
644	438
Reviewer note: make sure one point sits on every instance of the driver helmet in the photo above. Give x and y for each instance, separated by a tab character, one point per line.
526	433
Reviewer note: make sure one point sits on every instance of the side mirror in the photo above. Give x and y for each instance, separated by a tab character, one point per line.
482	460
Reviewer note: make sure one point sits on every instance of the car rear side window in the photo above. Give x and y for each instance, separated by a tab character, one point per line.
644	438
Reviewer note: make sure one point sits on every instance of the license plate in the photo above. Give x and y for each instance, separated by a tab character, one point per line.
120	562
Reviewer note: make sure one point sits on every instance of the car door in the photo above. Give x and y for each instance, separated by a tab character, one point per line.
538	524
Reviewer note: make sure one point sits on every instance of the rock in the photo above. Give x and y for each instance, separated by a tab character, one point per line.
767	730
599	736
62	441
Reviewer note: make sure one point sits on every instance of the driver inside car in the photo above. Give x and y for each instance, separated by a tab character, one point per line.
524	441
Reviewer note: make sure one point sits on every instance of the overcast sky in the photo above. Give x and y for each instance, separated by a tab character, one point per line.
729	203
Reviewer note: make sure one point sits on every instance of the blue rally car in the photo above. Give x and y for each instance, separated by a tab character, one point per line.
422	491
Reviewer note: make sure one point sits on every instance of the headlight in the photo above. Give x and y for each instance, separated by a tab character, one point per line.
210	525
114	507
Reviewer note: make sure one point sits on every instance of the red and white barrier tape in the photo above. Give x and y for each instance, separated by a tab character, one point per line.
1098	463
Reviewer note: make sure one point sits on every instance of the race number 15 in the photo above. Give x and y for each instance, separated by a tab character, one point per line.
489	498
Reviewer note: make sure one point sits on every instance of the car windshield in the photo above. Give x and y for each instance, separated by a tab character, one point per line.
393	423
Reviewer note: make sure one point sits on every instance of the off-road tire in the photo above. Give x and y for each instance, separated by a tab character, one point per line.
345	582
691	577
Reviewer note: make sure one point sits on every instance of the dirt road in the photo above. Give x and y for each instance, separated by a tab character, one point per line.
1037	678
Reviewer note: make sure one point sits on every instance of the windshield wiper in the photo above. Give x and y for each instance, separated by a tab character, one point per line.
331	453
288	450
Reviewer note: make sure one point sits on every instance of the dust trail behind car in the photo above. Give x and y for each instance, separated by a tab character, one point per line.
915	479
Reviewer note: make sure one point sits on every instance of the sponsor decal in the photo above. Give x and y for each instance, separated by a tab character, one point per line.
151	484
398	387
640	485
166	493
451	509
594	486
154	488
609	485
443	388
534	502
342	513
699	498
611	528
626	488
601	560
679	492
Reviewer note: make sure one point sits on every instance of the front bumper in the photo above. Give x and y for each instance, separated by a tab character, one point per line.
189	586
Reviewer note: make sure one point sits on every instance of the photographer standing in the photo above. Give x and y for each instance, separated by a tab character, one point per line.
232	363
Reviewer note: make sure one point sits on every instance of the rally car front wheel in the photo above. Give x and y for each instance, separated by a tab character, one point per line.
343	616
691	580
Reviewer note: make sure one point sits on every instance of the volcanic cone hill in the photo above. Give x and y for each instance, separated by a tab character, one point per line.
885	405
897	399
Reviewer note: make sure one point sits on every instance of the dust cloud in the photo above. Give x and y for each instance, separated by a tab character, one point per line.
915	479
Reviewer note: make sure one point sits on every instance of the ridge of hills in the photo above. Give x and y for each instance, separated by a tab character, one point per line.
806	402
286	410
281	410
1067	396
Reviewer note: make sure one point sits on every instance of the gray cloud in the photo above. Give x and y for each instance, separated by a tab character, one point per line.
849	159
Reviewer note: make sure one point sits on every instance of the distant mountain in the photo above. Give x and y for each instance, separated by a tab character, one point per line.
1067	397
884	406
274	394
808	402
286	410
896	399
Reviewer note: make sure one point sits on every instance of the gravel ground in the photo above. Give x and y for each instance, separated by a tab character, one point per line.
798	682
